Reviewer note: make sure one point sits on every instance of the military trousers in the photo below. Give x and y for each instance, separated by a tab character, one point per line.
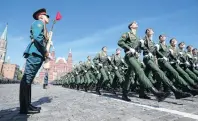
103	75
165	66
117	79
183	74
191	74
46	78
89	77
160	75
77	79
133	66
33	64
195	71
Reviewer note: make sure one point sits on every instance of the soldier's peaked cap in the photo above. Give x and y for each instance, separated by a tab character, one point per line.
38	12
131	24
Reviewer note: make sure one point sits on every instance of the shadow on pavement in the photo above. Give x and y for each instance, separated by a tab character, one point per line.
42	101
12	114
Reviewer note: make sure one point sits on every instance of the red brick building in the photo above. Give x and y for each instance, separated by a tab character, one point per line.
58	67
7	69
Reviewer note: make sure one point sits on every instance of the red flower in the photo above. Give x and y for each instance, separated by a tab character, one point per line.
58	16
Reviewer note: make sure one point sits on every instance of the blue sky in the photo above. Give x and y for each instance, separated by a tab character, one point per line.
87	25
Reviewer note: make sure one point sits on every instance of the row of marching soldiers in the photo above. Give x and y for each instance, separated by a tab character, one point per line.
165	68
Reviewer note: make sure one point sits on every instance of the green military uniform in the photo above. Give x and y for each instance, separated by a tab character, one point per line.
173	74
149	53
102	62
191	60
90	70
118	63
185	64
129	41
173	58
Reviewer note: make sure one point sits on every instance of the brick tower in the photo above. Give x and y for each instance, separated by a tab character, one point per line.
69	61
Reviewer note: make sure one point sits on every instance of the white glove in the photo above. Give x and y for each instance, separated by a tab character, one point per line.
108	72
157	46
100	64
180	53
116	67
97	71
187	63
76	72
142	42
132	50
109	58
85	71
122	60
171	51
142	63
189	55
150	55
166	59
194	65
178	61
92	66
50	57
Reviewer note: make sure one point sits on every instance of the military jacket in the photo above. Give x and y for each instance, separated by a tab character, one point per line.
38	35
129	40
89	64
190	58
164	50
174	55
149	47
102	58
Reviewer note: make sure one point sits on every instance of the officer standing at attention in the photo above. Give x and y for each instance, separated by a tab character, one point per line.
35	54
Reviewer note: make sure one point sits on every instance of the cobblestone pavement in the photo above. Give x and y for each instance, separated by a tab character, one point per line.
62	104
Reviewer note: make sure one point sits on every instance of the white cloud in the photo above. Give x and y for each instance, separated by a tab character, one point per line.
16	38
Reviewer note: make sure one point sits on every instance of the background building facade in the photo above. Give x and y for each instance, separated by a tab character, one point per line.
7	69
58	67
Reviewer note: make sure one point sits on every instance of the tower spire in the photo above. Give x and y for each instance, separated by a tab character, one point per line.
4	34
70	51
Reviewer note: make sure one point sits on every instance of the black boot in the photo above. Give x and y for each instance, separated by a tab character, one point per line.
191	90
86	88
98	90
159	95
114	91
44	86
143	95
179	94
34	108
125	96
78	86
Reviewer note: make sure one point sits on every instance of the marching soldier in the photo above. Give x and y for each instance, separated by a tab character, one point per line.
174	61
184	62
35	54
90	72
195	56
166	66
130	43
118	63
102	62
191	60
150	52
